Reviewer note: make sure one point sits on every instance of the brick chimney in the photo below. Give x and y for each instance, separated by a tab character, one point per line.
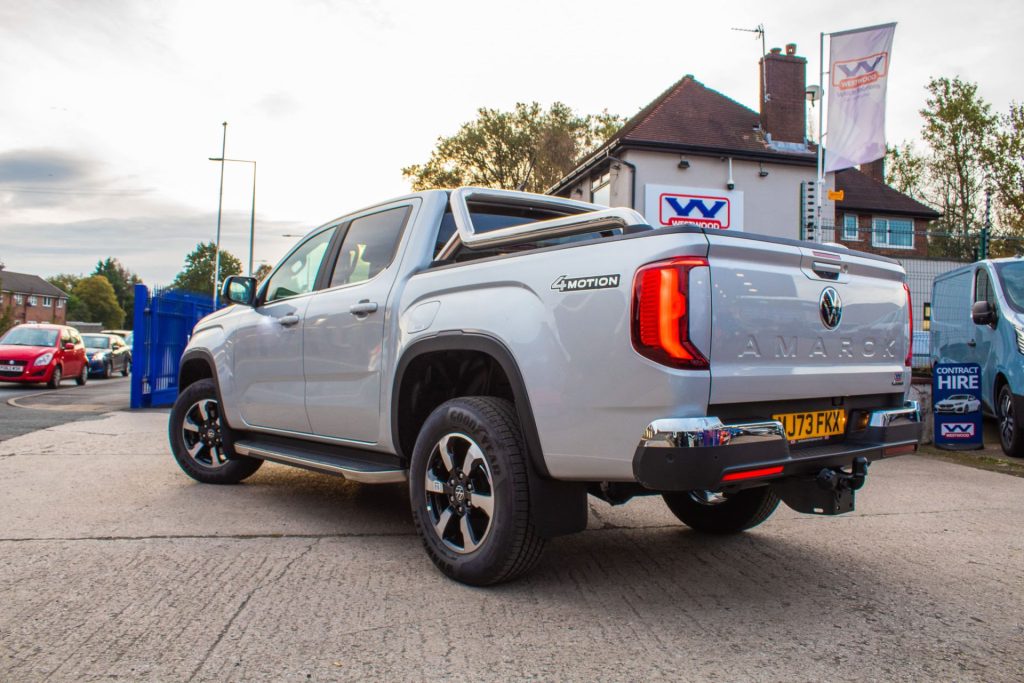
874	170
784	78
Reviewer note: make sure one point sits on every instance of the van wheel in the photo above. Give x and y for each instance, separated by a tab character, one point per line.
1010	432
469	492
201	440
715	513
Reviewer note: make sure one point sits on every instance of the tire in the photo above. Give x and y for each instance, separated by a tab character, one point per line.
83	376
55	378
126	370
466	447
1011	433
712	514
202	442
108	369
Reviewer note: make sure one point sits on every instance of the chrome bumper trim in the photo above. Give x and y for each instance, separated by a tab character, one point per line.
910	412
702	432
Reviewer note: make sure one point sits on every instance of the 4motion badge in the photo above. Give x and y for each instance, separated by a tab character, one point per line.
575	284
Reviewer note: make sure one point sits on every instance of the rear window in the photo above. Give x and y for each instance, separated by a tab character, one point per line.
488	217
95	341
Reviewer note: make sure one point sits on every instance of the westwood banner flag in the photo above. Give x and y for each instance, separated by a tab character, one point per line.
858	75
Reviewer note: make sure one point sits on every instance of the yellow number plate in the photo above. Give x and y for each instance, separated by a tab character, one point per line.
813	425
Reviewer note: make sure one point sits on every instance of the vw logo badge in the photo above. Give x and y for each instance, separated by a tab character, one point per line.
830	306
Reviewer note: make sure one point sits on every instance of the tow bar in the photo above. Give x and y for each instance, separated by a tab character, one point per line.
830	492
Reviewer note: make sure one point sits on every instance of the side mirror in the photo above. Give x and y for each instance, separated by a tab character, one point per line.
69	347
983	313
239	289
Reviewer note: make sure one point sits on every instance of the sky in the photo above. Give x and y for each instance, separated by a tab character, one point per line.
110	109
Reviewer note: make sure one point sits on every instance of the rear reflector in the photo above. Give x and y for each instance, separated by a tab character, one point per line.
752	474
661	329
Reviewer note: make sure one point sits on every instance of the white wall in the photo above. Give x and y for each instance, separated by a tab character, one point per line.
771	204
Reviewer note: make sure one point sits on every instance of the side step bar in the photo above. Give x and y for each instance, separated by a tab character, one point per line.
361	466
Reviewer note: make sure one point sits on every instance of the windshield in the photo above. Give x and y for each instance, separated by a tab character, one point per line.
96	341
1011	276
30	336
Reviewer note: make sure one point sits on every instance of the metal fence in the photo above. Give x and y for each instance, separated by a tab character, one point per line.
163	322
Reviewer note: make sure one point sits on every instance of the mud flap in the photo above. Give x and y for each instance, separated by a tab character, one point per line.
830	492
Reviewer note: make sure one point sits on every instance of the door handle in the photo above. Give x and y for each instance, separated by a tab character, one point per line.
288	320
364	307
972	343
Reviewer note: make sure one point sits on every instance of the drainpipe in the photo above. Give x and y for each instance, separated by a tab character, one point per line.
632	183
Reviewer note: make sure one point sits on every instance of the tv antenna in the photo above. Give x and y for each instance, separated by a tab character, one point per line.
758	32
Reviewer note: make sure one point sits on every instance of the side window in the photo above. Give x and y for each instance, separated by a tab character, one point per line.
297	274
65	337
983	286
369	246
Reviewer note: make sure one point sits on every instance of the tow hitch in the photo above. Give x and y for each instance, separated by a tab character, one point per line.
830	492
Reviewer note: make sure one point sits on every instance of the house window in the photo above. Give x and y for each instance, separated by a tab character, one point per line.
32	301
60	303
850	227
601	190
892	233
19	299
47	301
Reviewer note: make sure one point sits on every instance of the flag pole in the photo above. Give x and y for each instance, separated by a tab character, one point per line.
821	132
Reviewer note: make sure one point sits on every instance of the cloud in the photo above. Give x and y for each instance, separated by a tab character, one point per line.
276	105
43	166
153	246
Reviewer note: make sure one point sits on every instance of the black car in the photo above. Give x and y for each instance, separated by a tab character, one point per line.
108	353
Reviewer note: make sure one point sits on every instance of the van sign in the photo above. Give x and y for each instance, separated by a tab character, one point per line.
956	404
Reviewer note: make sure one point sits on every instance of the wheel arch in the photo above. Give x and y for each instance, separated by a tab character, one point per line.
196	364
556	507
404	429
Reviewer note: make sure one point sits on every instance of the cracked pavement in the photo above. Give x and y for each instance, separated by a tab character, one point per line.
115	566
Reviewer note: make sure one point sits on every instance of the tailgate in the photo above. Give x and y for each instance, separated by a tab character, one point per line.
774	339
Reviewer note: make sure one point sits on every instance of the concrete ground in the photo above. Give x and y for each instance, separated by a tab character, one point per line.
115	566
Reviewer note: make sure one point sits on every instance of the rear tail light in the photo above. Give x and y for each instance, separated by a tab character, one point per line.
910	328
661	329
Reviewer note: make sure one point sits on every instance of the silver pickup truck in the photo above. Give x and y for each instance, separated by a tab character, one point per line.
509	354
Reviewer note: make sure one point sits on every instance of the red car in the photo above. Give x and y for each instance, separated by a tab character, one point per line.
43	353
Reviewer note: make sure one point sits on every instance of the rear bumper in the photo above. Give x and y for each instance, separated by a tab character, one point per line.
685	454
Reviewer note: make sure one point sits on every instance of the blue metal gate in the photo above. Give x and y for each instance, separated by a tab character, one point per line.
163	325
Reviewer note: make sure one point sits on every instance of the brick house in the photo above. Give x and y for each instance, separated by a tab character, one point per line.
32	299
696	155
874	217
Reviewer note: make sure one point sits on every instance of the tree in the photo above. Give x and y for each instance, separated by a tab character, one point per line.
905	169
958	128
524	149
6	311
1008	169
77	309
122	280
262	272
197	275
97	294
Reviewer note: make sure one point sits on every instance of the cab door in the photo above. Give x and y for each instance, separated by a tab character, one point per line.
266	344
985	341
343	336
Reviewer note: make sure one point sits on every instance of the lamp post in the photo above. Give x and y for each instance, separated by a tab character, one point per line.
252	214
220	206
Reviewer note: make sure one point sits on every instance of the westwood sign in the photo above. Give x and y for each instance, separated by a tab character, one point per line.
854	73
669	206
